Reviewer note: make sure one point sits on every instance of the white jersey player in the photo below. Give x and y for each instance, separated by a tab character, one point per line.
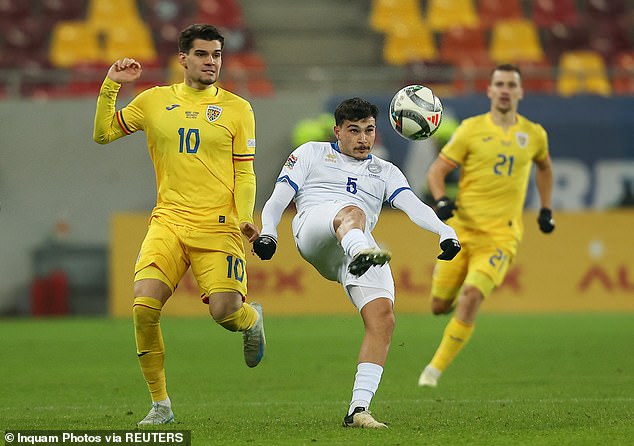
339	190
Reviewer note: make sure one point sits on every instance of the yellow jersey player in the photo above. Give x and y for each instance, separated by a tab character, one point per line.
201	140
496	152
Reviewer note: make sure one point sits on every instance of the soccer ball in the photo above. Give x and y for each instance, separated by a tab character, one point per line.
415	112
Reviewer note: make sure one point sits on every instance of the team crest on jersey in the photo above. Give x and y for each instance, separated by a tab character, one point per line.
213	112
290	162
374	168
522	139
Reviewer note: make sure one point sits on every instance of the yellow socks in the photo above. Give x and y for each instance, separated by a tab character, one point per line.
149	344
241	320
456	335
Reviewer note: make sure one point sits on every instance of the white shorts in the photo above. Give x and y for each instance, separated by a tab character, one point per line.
317	243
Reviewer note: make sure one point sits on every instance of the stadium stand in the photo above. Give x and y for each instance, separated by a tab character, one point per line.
458	39
445	14
547	13
385	14
493	11
409	42
515	40
623	79
582	72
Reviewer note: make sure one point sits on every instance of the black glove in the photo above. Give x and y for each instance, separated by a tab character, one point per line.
450	247
444	208
264	246
545	220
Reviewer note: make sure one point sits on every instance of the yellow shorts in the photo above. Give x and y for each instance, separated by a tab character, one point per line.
482	263
216	258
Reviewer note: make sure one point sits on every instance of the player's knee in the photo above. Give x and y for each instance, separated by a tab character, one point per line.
441	306
350	217
469	302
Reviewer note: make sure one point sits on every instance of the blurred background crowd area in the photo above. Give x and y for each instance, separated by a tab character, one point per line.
62	48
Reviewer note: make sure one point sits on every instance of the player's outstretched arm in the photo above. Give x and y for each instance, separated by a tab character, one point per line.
424	216
266	244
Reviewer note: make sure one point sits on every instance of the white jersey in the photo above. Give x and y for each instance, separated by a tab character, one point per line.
320	173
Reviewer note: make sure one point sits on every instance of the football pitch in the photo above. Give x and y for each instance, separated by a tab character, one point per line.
522	380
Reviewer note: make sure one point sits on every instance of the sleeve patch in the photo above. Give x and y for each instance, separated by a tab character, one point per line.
290	162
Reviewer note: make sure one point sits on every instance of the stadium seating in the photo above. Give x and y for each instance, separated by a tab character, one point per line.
623	78
222	13
605	9
459	43
445	14
124	40
582	72
57	10
492	11
537	77
609	38
409	42
547	13
514	41
65	52
384	14
560	38
104	14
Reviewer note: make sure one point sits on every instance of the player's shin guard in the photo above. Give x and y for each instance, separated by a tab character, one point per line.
456	335
366	382
149	344
241	320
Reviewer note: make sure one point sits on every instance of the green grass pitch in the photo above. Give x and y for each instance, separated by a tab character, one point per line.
522	380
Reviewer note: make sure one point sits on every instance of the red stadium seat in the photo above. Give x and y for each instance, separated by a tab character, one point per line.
56	10
547	13
223	13
606	9
537	77
623	77
560	38
15	9
459	43
492	11
609	38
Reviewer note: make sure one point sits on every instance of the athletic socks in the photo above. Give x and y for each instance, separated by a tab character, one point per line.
366	381
354	241
456	335
146	313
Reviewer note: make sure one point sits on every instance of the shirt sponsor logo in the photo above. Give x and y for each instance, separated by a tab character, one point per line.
522	139
213	113
191	114
330	158
251	143
290	162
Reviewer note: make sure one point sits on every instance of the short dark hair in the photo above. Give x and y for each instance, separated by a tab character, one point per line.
198	31
506	67
355	109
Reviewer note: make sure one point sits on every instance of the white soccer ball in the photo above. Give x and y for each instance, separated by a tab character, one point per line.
415	112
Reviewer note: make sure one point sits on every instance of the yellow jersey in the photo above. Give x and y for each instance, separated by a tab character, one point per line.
202	144
495	170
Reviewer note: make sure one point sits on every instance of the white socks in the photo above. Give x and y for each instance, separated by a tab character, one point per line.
354	241
366	381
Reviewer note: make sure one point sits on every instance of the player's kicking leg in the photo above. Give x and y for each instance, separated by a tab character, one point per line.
367	258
